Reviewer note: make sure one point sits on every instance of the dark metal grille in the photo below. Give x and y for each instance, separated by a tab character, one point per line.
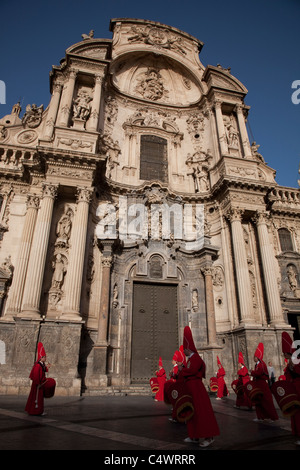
153	158
285	240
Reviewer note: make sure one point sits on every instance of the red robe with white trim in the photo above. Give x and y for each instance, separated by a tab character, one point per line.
35	402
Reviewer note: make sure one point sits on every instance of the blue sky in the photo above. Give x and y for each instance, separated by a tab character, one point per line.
258	39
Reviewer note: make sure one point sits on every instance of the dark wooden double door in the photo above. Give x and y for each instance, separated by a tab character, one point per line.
154	329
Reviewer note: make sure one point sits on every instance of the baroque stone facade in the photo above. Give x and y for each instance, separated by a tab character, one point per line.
137	133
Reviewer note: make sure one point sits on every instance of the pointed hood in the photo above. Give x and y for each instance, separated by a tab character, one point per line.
40	351
259	353
188	342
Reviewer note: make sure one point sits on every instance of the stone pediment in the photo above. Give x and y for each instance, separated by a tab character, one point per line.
217	77
91	48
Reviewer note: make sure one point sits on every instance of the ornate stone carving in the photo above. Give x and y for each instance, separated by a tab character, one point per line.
33	116
151	86
158	37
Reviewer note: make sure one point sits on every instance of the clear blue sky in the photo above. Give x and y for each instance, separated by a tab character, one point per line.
258	39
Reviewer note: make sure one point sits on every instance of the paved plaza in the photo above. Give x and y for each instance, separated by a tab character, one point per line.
131	423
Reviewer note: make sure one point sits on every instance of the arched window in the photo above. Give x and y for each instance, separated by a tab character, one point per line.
285	239
153	158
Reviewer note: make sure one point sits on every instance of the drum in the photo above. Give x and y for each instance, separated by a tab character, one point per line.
240	388
254	392
49	388
154	384
234	385
286	396
176	395
213	384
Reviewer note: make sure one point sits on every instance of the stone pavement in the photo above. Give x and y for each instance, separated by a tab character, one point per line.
128	424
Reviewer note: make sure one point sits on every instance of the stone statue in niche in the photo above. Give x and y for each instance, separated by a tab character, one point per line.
232	136
292	277
195	302
197	168
63	229
59	272
81	105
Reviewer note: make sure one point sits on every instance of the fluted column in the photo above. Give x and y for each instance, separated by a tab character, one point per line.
38	253
92	124
16	290
269	272
210	308
76	260
241	267
243	131
52	111
221	128
66	101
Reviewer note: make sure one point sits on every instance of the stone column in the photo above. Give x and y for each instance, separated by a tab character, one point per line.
66	101
92	124
269	272
101	344
241	267
76	260
221	128
210	307
14	300
105	293
52	111
243	131
38	253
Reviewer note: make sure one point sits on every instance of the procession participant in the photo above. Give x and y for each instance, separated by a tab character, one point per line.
292	374
35	401
203	424
265	409
243	377
222	387
161	376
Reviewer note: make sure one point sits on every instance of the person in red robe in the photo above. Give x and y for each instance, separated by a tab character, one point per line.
203	423
265	410
292	374
162	378
35	401
243	377
222	387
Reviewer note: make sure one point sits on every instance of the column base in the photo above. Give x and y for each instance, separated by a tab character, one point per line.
33	314
72	316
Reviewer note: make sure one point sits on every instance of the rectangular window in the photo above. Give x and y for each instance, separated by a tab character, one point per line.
153	158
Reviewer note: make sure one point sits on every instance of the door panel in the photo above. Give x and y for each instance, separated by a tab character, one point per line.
154	329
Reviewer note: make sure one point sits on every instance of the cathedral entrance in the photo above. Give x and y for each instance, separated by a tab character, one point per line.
154	329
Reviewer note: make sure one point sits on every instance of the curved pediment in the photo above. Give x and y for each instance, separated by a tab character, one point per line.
154	78
91	48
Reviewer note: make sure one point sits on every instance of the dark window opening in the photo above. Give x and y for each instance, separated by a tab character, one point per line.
153	159
285	239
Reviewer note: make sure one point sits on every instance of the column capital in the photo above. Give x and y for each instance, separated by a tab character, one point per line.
33	201
50	190
234	214
84	194
261	217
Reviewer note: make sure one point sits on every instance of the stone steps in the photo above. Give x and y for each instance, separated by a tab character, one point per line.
113	390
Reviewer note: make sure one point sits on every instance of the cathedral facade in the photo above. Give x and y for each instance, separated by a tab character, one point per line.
133	205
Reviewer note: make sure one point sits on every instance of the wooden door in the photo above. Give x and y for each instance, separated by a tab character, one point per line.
154	329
